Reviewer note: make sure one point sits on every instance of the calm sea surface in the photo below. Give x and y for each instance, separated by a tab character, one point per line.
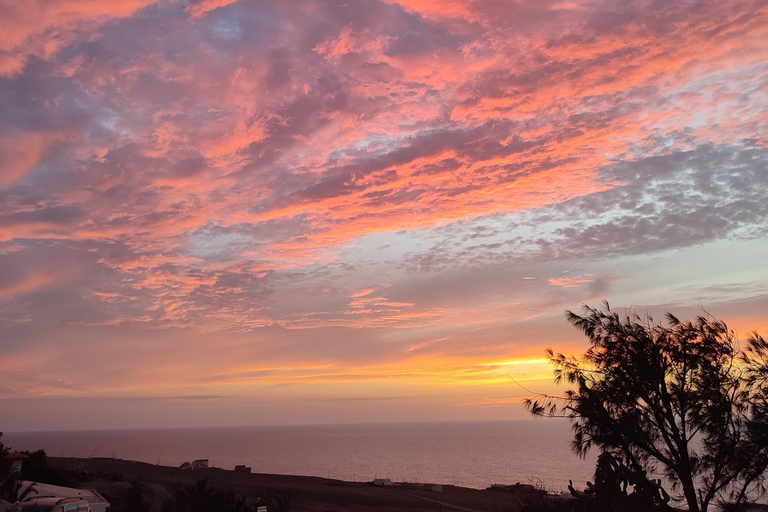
471	454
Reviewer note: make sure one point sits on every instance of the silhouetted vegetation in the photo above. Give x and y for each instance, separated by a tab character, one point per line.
36	468
620	488
200	497
616	488
9	481
680	399
134	497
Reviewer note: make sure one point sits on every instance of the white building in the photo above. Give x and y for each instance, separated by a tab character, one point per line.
200	464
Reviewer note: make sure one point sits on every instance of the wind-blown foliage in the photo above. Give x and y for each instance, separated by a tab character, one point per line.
679	398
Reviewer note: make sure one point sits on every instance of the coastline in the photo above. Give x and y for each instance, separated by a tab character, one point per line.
467	454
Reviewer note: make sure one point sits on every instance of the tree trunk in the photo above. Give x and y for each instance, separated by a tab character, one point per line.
690	495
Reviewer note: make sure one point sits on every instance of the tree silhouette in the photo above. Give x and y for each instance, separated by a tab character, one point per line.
680	398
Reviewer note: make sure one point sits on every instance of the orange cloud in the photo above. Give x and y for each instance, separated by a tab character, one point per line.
569	282
463	9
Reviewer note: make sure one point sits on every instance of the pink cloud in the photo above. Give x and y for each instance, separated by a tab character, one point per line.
203	7
394	173
19	153
28	284
349	41
41	28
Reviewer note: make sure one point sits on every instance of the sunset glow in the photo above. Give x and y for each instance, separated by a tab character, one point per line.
230	212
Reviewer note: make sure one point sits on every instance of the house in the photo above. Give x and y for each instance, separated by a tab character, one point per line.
17	459
242	469
186	465
382	481
96	502
200	464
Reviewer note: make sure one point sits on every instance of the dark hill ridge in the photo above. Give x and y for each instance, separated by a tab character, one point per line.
113	478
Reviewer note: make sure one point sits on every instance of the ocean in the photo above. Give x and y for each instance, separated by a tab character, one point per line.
470	454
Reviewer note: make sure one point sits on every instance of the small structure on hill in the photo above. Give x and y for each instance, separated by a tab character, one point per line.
200	464
382	481
186	465
241	468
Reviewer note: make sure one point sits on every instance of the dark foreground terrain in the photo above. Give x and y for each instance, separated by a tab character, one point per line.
118	480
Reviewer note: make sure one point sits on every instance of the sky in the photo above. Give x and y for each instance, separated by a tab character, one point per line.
227	212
